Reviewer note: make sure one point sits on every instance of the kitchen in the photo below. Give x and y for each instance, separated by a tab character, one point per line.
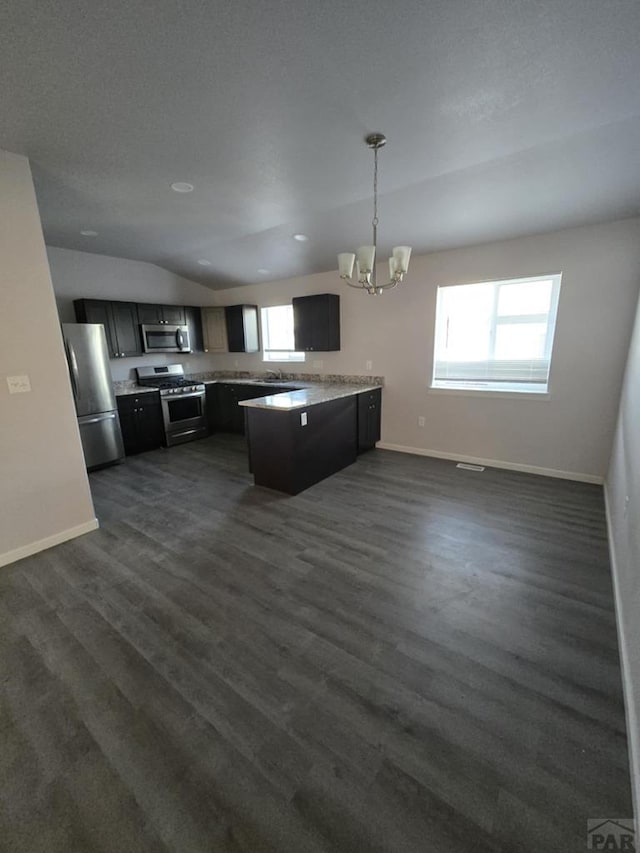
164	406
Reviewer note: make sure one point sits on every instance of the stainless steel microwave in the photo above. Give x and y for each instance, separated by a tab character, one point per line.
165	338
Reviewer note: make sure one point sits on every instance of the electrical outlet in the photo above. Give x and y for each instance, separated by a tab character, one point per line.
236	363
18	384
368	365
421	420
318	364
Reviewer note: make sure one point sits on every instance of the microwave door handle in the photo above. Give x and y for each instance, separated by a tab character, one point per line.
179	341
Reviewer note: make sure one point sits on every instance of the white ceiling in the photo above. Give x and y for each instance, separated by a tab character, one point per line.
504	117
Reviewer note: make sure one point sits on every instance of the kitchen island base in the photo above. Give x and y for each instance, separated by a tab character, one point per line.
292	450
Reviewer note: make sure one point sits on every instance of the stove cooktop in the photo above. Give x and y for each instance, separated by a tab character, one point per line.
169	379
169	383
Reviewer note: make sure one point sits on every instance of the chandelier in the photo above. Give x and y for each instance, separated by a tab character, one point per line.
365	257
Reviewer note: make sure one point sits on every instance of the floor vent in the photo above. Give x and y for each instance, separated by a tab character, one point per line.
468	467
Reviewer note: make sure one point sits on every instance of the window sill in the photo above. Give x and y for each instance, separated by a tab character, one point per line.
283	360
489	392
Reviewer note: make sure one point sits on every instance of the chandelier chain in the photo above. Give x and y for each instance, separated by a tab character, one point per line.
375	208
375	188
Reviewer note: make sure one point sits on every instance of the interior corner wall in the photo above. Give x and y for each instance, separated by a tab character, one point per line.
44	490
622	490
569	432
84	275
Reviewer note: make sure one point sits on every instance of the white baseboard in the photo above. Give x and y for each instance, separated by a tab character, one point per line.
633	724
495	463
48	542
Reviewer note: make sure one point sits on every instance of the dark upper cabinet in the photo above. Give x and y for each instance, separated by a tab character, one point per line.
120	321
316	322
154	315
127	329
242	328
193	318
97	311
173	314
369	419
141	422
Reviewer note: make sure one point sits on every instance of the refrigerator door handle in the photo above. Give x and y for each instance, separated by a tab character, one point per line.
73	368
111	416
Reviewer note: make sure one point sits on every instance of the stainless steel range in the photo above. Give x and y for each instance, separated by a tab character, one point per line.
183	402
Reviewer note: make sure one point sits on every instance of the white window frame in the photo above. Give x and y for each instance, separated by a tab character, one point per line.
498	387
277	355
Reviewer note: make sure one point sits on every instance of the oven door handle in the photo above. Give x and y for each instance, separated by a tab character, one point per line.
171	397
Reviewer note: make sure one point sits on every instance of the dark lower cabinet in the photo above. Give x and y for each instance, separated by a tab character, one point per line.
369	419
120	321
212	408
223	412
141	422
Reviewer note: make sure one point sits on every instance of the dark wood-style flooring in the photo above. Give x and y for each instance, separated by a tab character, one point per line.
405	657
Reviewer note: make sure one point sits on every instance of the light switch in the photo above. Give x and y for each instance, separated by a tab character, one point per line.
303	419
18	384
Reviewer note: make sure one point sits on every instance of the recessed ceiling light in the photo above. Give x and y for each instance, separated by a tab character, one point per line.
301	238
182	187
204	262
88	233
263	271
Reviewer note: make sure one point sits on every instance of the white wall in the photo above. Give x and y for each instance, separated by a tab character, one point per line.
78	275
572	430
44	492
622	491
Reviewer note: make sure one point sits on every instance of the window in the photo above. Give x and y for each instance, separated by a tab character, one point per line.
496	335
277	334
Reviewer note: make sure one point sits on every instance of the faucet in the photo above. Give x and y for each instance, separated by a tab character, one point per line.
276	373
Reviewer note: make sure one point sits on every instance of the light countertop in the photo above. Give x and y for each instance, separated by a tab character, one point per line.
302	394
314	394
126	391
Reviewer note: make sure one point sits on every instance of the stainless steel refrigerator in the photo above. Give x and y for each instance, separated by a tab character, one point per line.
88	358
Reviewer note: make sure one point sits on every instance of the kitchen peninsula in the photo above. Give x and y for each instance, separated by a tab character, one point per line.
298	438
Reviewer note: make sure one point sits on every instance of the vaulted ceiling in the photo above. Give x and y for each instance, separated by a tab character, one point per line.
504	117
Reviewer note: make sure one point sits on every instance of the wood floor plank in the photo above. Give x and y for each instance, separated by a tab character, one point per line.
406	657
